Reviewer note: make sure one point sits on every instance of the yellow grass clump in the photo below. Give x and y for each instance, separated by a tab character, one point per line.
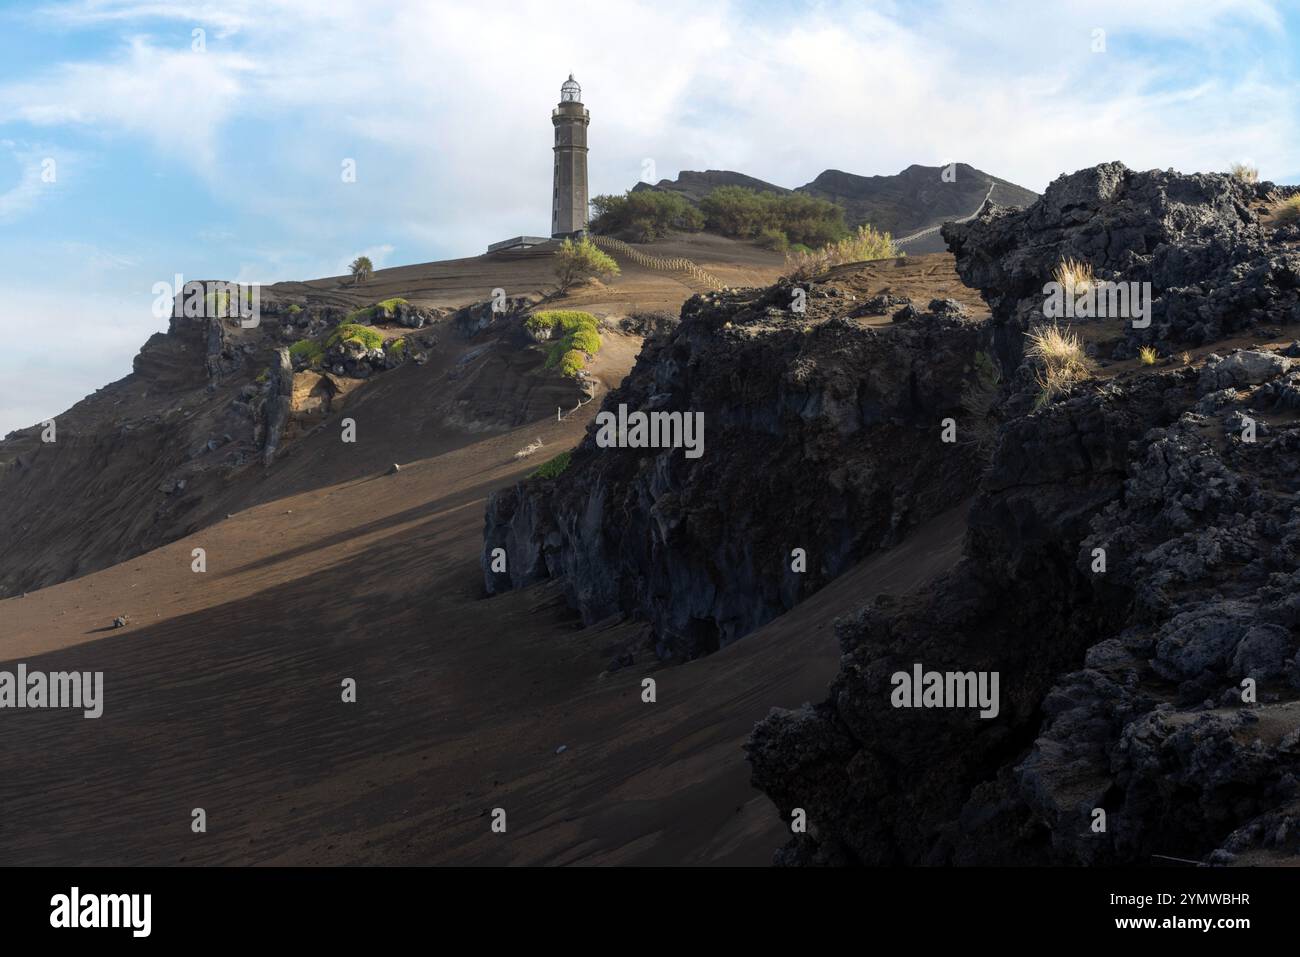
1244	172
865	244
1148	355
1059	353
1286	212
1074	277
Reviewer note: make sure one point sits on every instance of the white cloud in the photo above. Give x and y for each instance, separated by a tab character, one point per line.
460	92
175	99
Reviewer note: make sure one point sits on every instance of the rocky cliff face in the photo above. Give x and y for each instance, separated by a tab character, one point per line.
822	433
158	454
1130	575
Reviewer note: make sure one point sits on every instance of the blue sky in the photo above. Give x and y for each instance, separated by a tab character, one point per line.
225	162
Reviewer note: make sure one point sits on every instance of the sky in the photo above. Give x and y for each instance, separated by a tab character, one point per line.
141	139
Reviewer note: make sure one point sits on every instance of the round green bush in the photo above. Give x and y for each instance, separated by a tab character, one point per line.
572	362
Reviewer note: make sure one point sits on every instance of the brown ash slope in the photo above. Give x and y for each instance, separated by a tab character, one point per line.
182	440
1163	688
214	418
822	432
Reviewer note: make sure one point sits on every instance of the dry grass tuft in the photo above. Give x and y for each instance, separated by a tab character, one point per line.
1063	363
1286	212
864	245
1244	172
1148	355
1074	277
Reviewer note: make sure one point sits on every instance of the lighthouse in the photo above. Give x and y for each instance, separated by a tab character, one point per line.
569	193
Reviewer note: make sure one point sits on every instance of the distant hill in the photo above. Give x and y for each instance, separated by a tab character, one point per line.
907	202
915	198
695	185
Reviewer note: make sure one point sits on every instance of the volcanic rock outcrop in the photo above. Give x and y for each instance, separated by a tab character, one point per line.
1130	574
1214	267
822	438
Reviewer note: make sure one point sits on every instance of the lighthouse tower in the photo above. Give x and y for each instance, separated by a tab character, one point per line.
569	196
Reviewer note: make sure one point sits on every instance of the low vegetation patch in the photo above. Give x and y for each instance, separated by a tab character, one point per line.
554	467
1061	359
1148	355
572	362
1286	212
308	350
396	348
575	335
392	304
864	245
353	332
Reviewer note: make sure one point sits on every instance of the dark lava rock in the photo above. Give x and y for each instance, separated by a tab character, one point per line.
819	434
1105	669
1213	267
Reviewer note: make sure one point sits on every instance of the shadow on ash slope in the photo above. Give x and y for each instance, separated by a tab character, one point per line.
1130	689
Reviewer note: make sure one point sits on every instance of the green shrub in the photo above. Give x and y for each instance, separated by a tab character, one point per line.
648	214
553	468
772	238
586	340
295	309
748	214
392	304
575	333
575	262
308	350
572	362
561	321
396	348
350	331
